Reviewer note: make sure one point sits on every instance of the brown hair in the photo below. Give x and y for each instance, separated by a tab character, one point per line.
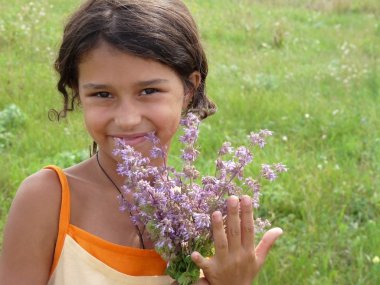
162	30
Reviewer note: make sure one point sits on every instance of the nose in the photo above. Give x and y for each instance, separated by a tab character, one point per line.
127	115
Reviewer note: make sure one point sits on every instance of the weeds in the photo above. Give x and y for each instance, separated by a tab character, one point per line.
312	67
11	120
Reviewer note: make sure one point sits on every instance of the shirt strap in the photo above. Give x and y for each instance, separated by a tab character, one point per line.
64	216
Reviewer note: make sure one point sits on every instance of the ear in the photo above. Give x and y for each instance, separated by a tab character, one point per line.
195	79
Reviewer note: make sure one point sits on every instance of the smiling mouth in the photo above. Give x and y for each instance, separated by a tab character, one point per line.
133	140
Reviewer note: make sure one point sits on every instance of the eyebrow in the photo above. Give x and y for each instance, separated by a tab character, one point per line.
139	84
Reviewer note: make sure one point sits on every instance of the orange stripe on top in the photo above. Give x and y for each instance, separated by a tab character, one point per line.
64	216
128	260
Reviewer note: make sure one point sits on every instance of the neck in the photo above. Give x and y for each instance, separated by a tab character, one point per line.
103	170
107	165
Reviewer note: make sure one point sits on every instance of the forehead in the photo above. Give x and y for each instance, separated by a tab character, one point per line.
100	46
107	62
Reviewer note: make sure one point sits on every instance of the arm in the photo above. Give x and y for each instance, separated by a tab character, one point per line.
236	260
31	230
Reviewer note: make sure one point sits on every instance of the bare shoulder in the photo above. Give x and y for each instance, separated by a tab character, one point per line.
40	187
31	230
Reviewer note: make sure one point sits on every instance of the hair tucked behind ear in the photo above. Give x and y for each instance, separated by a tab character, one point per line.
161	30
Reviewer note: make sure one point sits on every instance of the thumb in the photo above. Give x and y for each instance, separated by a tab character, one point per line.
201	281
200	261
265	245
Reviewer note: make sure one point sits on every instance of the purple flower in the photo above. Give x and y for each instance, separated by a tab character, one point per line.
267	172
256	139
210	184
190	121
190	172
279	167
166	226
189	154
176	205
202	221
123	205
151	136
190	136
255	187
259	138
226	149
261	224
243	155
265	133
157	152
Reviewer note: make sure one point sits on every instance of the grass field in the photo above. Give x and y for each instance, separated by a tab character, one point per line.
307	70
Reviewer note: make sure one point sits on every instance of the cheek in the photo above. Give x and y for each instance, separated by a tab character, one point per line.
168	125
92	121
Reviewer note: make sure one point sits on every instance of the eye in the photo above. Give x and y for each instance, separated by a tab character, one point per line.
149	91
102	95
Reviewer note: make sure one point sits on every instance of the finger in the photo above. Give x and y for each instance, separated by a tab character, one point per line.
265	245
233	224
219	235
247	224
201	281
200	261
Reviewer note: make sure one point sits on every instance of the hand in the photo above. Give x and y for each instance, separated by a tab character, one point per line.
236	259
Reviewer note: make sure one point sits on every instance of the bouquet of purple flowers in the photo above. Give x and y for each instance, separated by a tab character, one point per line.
176	205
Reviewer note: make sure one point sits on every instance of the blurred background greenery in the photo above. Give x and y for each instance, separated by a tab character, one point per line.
307	70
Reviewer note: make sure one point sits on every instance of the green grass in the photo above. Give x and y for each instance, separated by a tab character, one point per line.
308	70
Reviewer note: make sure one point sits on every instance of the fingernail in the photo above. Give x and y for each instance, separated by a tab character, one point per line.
195	256
246	200
216	216
234	201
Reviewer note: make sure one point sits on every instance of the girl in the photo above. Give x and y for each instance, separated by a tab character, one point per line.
133	66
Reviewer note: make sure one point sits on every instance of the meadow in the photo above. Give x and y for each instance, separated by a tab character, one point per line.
307	70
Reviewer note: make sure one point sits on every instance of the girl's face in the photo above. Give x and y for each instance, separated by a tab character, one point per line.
125	96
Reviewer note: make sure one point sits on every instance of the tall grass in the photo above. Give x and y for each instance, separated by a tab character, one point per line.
308	70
